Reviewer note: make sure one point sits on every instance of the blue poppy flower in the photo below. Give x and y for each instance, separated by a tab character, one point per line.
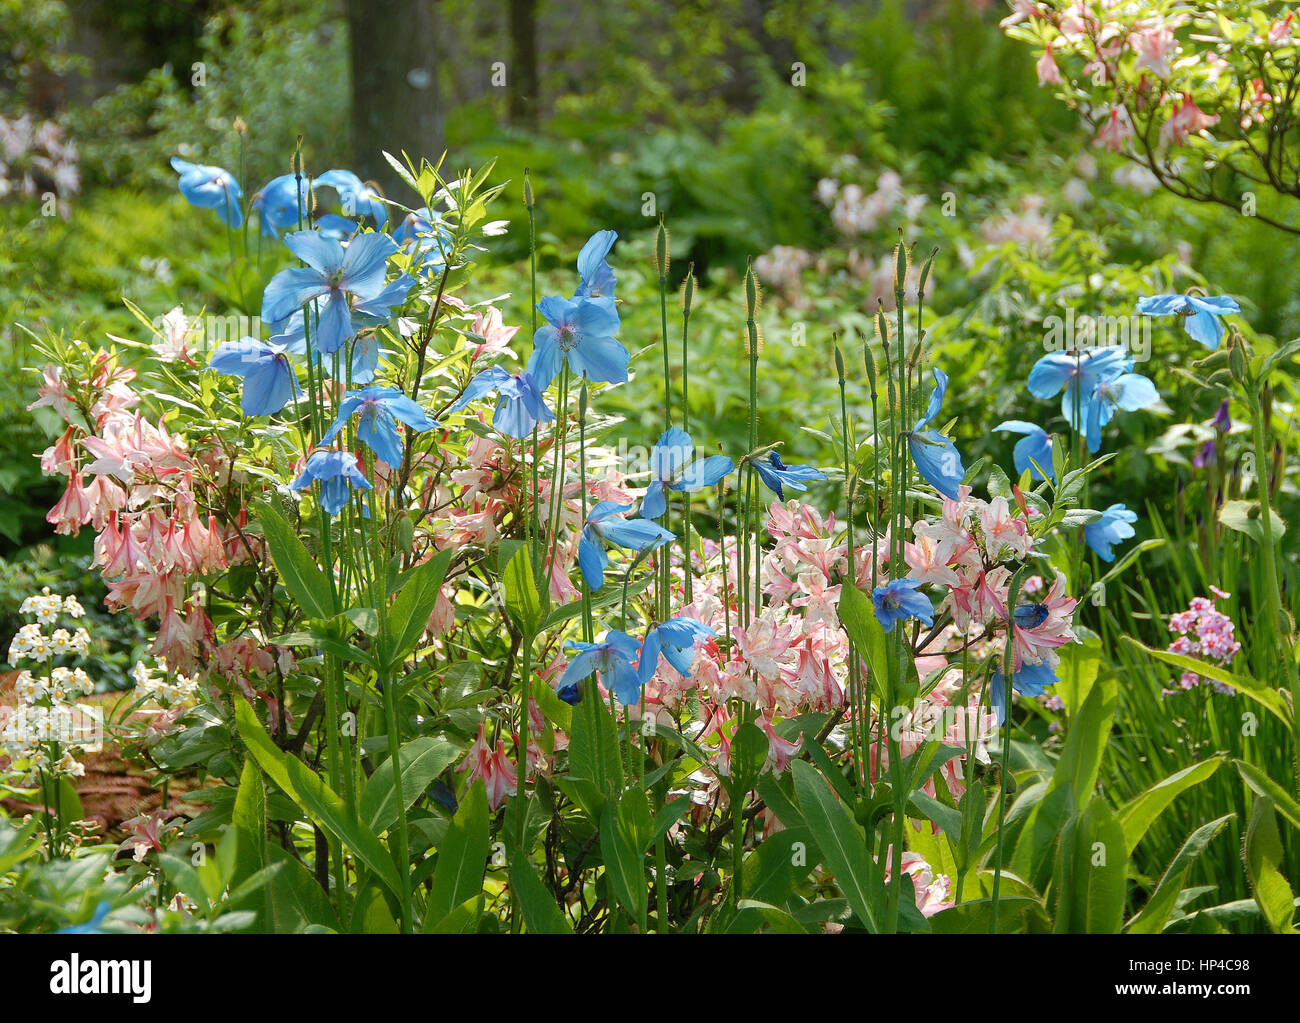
332	273
1032	451
520	407
899	599
279	206
1076	372
381	409
607	524
269	380
1030	680
1030	615
596	273
669	470
336	472
612	657
1200	313
580	331
776	475
357	198
1113	388
365	347
675	639
1114	526
211	188
935	456
341	229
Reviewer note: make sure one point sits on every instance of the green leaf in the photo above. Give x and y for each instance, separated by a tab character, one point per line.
463	919
1263	861
462	857
781	861
310	792
1037	841
1262	693
625	828
1080	665
409	615
294	898
1085	743
1262	785
1152	918
841	844
593	745
1016	915
541	913
749	748
423	759
1091	873
328	644
1244	517
303	578
778	920
858	616
249	819
524	601
1140	812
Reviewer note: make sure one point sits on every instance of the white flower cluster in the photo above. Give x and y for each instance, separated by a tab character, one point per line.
181	692
35	158
41	733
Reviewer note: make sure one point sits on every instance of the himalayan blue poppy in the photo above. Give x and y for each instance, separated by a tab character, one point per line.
899	599
1032	451
332	273
211	188
1200	313
776	475
337	473
608	524
935	456
612	657
671	468
521	404
269	380
381	409
580	331
1114	526
281	204
1030	680
597	276
357	198
675	639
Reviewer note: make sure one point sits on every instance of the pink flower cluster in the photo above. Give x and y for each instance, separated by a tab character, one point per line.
148	498
1205	633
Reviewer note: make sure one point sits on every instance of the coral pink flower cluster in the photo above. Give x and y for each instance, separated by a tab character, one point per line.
1206	633
1115	41
150	501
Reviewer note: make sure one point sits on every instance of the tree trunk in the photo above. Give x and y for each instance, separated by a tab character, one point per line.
522	81
394	86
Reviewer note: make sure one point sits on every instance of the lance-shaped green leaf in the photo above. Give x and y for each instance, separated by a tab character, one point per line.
303	578
840	842
409	615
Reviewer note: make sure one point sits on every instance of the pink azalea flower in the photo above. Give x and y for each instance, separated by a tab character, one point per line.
493	767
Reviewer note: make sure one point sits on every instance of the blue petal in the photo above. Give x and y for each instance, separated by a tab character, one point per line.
599	358
654	503
593	561
379	433
706	472
938	463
